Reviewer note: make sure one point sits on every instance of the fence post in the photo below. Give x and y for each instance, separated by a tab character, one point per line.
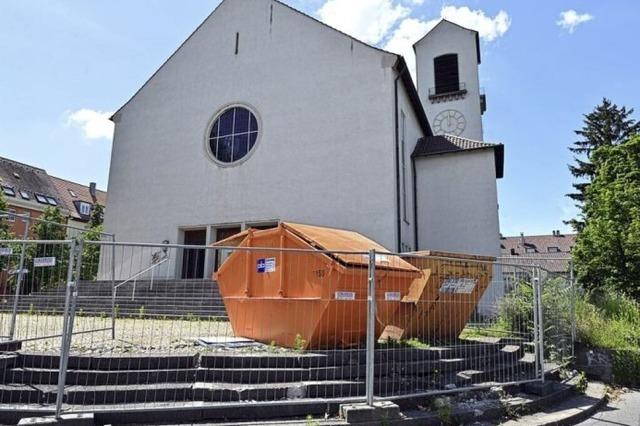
536	321
113	287
371	326
541	324
75	265
14	311
574	296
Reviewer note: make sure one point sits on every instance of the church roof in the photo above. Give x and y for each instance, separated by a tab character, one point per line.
450	144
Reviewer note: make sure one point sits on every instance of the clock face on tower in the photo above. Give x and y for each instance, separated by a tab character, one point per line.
449	121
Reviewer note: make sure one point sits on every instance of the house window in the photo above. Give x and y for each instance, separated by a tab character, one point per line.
553	249
403	165
233	135
41	199
52	201
11	215
84	209
25	195
529	250
8	190
446	73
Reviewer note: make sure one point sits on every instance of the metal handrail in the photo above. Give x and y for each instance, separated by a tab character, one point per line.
136	275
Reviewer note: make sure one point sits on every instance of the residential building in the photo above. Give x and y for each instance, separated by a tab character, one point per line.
265	114
30	190
552	252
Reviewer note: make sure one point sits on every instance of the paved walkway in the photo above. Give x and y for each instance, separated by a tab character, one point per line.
624	411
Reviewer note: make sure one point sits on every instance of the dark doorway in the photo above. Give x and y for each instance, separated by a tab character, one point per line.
221	234
193	259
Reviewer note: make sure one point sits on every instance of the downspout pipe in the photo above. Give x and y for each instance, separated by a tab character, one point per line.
415	205
397	160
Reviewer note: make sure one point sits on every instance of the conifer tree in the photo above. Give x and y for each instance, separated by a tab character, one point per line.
606	125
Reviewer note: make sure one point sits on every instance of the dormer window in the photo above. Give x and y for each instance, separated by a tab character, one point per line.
41	199
25	195
84	208
52	201
553	249
8	190
529	250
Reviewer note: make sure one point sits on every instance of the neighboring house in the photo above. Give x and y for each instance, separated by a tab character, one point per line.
29	190
265	114
79	200
552	252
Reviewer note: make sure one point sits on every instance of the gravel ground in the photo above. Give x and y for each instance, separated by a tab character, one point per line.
132	334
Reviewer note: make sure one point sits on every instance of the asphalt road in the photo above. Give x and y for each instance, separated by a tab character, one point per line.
624	411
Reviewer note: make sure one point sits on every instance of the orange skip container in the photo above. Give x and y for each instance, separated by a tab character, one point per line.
441	301
312	294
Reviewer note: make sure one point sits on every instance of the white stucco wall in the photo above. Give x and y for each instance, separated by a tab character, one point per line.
443	39
413	132
458	203
325	151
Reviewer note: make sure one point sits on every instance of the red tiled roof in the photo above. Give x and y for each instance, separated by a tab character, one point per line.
81	194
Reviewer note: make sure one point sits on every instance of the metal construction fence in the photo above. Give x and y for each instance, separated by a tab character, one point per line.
136	325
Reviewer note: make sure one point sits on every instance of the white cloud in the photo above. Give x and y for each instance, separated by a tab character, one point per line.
94	124
366	20
570	19
410	30
403	38
488	28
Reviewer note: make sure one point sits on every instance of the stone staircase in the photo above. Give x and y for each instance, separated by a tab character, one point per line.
227	377
171	298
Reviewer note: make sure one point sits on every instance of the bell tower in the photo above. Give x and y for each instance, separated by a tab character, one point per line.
447	60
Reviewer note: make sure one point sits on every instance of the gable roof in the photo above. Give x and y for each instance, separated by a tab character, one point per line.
443	20
450	144
23	177
81	194
400	66
540	243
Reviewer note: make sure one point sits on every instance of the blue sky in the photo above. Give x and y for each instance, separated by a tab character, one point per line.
66	64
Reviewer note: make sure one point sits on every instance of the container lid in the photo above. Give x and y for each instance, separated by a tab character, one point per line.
341	241
450	255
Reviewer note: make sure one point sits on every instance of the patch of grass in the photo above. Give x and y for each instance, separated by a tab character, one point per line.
609	320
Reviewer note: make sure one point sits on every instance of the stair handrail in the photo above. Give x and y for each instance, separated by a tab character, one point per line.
156	261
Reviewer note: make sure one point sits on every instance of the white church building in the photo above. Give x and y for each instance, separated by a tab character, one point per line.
265	114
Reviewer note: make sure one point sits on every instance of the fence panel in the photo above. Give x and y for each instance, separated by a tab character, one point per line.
292	325
464	323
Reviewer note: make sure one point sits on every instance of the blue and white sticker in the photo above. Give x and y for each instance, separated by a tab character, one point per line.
39	262
266	265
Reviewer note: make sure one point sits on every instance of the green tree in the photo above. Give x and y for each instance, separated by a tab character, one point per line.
606	125
91	252
607	251
4	223
50	226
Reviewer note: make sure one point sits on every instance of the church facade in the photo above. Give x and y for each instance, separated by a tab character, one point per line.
265	115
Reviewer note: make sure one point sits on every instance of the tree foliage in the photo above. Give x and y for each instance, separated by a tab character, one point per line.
50	227
607	252
4	223
607	125
91	252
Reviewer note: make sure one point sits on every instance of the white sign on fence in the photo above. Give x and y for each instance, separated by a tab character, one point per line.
392	295
6	251
458	285
345	295
39	262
